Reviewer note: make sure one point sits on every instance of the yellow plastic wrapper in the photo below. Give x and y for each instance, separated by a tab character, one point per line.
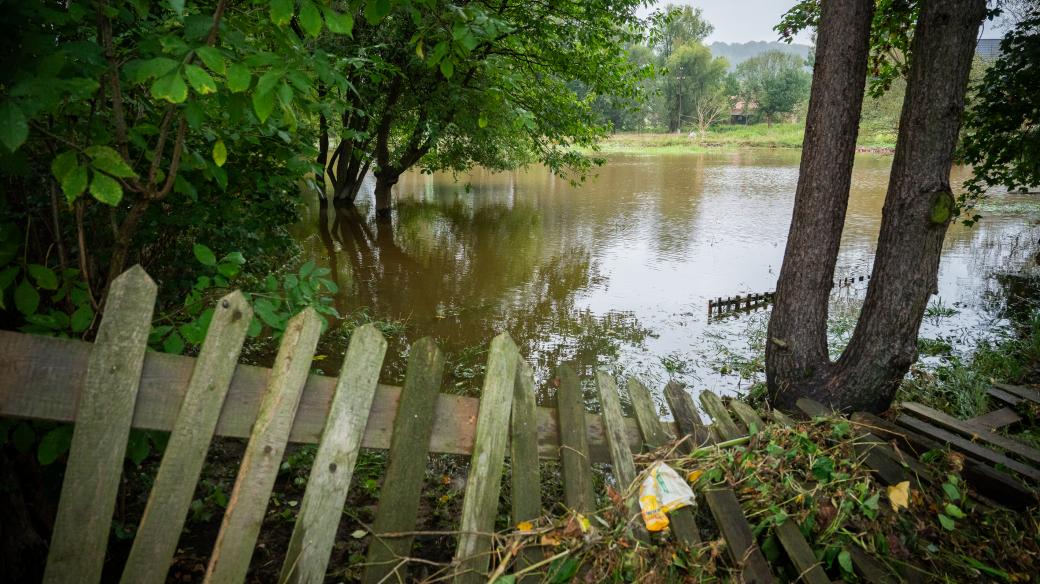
662	492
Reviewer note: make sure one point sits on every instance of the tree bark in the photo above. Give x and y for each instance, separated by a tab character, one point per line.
796	353
385	182
918	210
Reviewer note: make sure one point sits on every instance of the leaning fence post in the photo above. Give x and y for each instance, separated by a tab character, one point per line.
103	417
620	454
523	456
485	467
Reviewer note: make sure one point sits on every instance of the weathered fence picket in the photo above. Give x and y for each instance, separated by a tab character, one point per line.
623	466
523	458
574	445
168	504
104	414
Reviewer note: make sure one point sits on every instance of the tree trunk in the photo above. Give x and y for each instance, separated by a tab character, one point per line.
385	182
918	209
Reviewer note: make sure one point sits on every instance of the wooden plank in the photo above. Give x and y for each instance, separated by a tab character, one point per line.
985	479
1000	394
782	418
406	465
968	447
740	542
170	499
574	449
523	458
623	466
878	456
813	408
315	531
747	415
483	487
229	561
724	425
1020	392
997	419
682	522
801	555
869	568
646	414
42	377
104	414
975	432
688	421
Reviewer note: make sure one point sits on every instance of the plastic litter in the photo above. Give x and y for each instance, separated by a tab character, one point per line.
662	492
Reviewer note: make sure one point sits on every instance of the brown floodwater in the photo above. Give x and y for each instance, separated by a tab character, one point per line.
618	271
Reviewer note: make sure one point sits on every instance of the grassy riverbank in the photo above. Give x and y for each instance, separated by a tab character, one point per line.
735	136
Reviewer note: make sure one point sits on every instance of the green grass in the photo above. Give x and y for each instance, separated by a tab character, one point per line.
787	135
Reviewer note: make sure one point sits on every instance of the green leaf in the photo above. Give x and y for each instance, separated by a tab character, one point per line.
54	444
376	10
23	437
263	104
951	492
482	121
281	11
204	255
200	80
235	257
141	71
63	164
954	511
26	298
173	344
137	447
845	561
14	128
82	318
228	269
74	183
255	326
338	22
447	68
823	468
310	18
238	78
306	268
219	153
269	80
212	58
947	523
108	160
106	189
562	570
44	276
171	88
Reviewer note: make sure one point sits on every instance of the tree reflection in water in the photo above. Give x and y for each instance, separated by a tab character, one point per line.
462	273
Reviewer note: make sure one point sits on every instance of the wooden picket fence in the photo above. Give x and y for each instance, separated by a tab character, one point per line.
114	384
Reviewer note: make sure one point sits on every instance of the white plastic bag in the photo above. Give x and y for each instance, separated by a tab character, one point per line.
662	491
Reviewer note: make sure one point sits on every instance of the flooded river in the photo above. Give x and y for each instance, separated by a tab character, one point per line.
618	271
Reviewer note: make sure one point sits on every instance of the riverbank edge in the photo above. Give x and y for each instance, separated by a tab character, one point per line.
741	138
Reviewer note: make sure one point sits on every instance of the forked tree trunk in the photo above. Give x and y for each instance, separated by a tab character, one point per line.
384	185
918	209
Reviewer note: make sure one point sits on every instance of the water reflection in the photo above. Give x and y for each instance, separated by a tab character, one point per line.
617	270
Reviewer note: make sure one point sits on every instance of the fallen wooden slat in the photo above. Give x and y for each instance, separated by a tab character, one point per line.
747	415
997	419
687	420
782	418
968	447
104	414
1000	394
42	378
726	427
229	561
484	484
971	430
406	464
740	542
315	531
523	457
168	503
574	448
802	556
1019	391
868	446
870	569
813	408
683	524
985	479
622	464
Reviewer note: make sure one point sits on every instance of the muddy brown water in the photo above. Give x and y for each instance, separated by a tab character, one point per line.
618	271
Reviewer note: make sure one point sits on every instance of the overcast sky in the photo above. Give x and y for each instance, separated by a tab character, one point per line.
739	21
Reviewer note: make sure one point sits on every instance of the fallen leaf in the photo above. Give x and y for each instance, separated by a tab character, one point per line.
584	523
525	526
694	476
899	496
358	534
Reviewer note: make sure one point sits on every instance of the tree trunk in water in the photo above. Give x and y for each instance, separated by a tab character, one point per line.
384	185
796	352
918	209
